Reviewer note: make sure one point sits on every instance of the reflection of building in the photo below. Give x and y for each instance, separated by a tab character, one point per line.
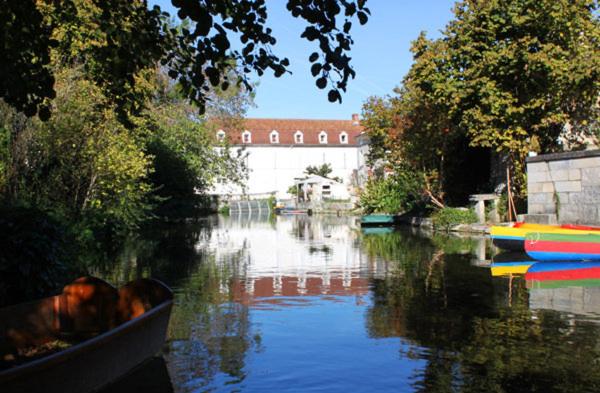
303	257
279	150
571	299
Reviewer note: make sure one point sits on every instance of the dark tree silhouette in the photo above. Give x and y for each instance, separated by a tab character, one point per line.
197	57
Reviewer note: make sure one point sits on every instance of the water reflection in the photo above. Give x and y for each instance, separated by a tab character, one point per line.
314	304
572	287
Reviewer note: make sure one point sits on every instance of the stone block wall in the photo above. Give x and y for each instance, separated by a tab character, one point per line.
566	185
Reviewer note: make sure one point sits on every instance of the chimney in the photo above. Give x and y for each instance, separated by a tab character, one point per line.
355	120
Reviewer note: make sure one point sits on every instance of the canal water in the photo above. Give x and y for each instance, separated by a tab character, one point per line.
312	304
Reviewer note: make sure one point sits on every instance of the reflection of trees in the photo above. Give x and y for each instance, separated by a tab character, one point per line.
208	333
167	251
458	319
523	351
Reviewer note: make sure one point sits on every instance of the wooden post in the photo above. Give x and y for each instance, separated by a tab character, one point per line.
509	195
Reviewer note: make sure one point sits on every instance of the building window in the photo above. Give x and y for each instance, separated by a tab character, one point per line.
247	137
322	137
274	136
343	137
299	137
220	135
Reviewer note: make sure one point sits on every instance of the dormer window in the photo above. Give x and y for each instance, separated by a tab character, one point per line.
343	137
220	135
247	137
322	137
298	137
274	136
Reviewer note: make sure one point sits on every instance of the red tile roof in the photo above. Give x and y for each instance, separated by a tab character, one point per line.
261	129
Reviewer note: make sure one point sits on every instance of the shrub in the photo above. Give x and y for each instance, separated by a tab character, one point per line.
399	192
448	217
33	262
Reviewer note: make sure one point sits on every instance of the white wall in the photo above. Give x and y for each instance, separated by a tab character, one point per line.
273	168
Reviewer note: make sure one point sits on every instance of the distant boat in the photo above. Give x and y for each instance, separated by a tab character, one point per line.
290	211
513	237
379	220
83	339
563	274
562	246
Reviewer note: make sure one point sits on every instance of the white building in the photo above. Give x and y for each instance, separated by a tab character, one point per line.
318	188
279	150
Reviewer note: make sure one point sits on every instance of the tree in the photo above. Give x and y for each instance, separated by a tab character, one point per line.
323	170
517	74
507	76
82	162
186	163
118	38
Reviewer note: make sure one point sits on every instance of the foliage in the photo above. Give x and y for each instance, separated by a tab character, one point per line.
34	261
82	161
113	42
507	76
186	163
448	217
118	38
323	170
224	210
531	70
25	76
292	190
397	193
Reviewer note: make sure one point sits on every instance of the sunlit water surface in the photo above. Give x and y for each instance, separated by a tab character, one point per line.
312	304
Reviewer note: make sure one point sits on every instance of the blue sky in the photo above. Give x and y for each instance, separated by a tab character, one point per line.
380	57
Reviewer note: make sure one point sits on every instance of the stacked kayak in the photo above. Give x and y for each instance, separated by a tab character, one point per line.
512	238
551	246
549	242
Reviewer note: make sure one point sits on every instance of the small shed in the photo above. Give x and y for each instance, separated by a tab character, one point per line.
318	188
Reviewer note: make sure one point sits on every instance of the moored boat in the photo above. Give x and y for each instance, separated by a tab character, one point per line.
513	237
378	220
83	339
552	246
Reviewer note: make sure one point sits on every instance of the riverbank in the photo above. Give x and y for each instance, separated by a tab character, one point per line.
427	223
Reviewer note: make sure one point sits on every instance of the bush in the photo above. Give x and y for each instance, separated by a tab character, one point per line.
448	217
396	193
34	262
224	210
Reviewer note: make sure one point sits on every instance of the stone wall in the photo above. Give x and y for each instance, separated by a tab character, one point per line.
564	187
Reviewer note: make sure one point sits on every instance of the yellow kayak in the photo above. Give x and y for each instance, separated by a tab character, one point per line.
513	237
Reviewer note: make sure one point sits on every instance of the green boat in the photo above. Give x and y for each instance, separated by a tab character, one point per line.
382	220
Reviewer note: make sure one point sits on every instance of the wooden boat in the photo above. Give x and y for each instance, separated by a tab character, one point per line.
83	339
553	246
513	237
545	275
378	220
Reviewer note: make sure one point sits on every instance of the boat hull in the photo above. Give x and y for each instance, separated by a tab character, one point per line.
512	238
373	220
563	247
96	362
